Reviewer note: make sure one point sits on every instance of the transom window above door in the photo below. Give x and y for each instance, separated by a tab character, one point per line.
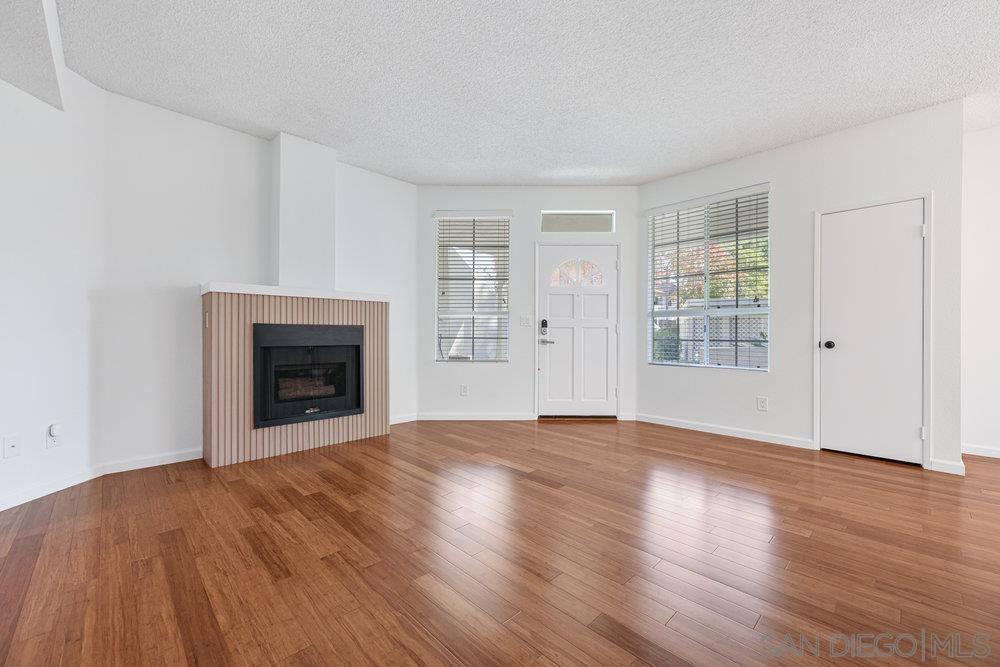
709	282
576	222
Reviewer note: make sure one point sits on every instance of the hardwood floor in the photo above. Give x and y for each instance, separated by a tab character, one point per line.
505	543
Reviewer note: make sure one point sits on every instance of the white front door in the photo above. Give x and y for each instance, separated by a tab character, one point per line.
871	331
578	349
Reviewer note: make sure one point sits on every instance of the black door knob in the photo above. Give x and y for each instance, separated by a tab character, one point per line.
829	345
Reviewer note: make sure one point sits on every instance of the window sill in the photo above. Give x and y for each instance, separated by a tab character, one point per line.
472	361
728	368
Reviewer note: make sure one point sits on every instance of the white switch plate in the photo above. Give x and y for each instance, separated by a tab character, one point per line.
11	446
762	403
463	390
525	320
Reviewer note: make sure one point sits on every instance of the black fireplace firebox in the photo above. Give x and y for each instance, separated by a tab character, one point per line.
304	372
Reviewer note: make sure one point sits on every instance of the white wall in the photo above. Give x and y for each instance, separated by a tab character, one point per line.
185	202
303	210
376	252
980	315
898	157
506	390
113	212
51	226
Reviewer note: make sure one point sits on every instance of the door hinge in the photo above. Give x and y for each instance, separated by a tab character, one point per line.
618	264
616	392
618	328
923	231
923	432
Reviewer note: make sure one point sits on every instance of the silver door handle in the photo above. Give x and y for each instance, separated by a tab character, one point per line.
546	342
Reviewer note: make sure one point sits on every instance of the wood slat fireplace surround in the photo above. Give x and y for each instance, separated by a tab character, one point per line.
229	313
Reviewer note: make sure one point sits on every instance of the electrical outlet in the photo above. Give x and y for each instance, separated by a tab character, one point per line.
11	446
762	403
463	390
52	434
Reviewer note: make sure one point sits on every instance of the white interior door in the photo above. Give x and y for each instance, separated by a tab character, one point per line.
871	331
578	351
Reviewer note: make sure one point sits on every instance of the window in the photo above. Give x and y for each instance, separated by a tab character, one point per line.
566	274
578	221
709	283
473	285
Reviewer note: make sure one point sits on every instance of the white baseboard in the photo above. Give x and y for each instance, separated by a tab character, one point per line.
482	416
149	461
980	450
951	467
477	416
402	419
45	488
93	472
762	436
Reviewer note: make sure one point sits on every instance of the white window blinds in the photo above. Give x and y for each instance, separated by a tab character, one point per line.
473	285
709	283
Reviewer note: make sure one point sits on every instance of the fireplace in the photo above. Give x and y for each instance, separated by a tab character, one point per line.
305	372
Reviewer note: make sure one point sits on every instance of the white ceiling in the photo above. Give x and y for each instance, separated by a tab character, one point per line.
25	52
532	92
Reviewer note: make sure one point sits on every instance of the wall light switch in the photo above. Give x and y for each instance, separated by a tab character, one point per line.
463	390
525	320
762	403
11	446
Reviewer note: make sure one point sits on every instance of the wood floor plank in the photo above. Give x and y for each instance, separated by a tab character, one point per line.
267	550
495	543
203	640
392	619
15	578
644	649
478	623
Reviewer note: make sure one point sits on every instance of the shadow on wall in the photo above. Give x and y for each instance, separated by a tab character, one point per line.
145	373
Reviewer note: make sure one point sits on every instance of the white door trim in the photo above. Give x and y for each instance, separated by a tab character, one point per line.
618	317
928	313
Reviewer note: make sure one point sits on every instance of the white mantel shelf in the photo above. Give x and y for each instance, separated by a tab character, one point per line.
276	290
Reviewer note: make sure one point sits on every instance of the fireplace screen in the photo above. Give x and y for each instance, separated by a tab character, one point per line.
306	372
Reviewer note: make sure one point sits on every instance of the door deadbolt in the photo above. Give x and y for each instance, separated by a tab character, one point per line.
829	345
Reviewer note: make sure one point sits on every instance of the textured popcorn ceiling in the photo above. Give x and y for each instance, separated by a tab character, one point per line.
528	91
25	54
